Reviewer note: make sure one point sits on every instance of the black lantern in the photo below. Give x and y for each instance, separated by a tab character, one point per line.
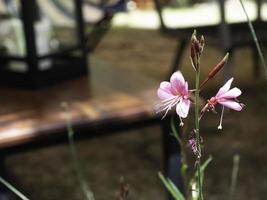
37	59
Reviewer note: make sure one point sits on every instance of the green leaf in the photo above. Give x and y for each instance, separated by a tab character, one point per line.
203	167
175	192
202	170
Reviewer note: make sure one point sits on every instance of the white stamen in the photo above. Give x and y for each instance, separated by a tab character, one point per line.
165	114
167	104
181	121
169	99
220	125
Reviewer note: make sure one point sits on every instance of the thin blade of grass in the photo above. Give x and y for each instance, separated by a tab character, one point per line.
13	189
255	38
235	170
76	164
175	192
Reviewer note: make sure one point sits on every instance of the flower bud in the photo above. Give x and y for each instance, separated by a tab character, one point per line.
196	48
218	67
215	70
193	55
195	42
202	43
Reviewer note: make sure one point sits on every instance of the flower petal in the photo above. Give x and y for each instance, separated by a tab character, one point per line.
231	104
233	93
185	90
165	90
225	87
177	82
182	108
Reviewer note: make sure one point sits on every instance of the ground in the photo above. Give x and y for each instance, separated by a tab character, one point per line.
47	174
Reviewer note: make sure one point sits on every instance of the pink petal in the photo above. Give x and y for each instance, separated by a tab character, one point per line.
164	91
233	93
231	104
182	108
185	89
225	88
177	82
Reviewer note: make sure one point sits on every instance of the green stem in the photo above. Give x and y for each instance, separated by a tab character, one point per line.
182	149
198	134
254	36
174	131
77	167
179	139
236	160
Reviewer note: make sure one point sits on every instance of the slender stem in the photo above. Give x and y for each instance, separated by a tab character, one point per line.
76	164
236	160
174	130
182	150
252	30
84	186
197	134
13	189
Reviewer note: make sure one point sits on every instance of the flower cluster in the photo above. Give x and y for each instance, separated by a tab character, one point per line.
175	93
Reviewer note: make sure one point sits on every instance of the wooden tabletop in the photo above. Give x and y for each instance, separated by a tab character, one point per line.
109	98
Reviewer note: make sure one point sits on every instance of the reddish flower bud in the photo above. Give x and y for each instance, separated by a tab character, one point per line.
218	67
196	48
195	42
215	70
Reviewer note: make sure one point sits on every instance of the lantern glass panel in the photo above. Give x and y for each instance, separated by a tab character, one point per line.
41	41
56	27
54	30
12	37
11	32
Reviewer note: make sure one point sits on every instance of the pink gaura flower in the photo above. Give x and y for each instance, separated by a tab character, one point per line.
174	93
227	97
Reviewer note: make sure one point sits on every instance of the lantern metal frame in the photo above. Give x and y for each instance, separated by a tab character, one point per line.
71	62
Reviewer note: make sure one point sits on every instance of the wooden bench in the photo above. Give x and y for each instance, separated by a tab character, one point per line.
110	100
